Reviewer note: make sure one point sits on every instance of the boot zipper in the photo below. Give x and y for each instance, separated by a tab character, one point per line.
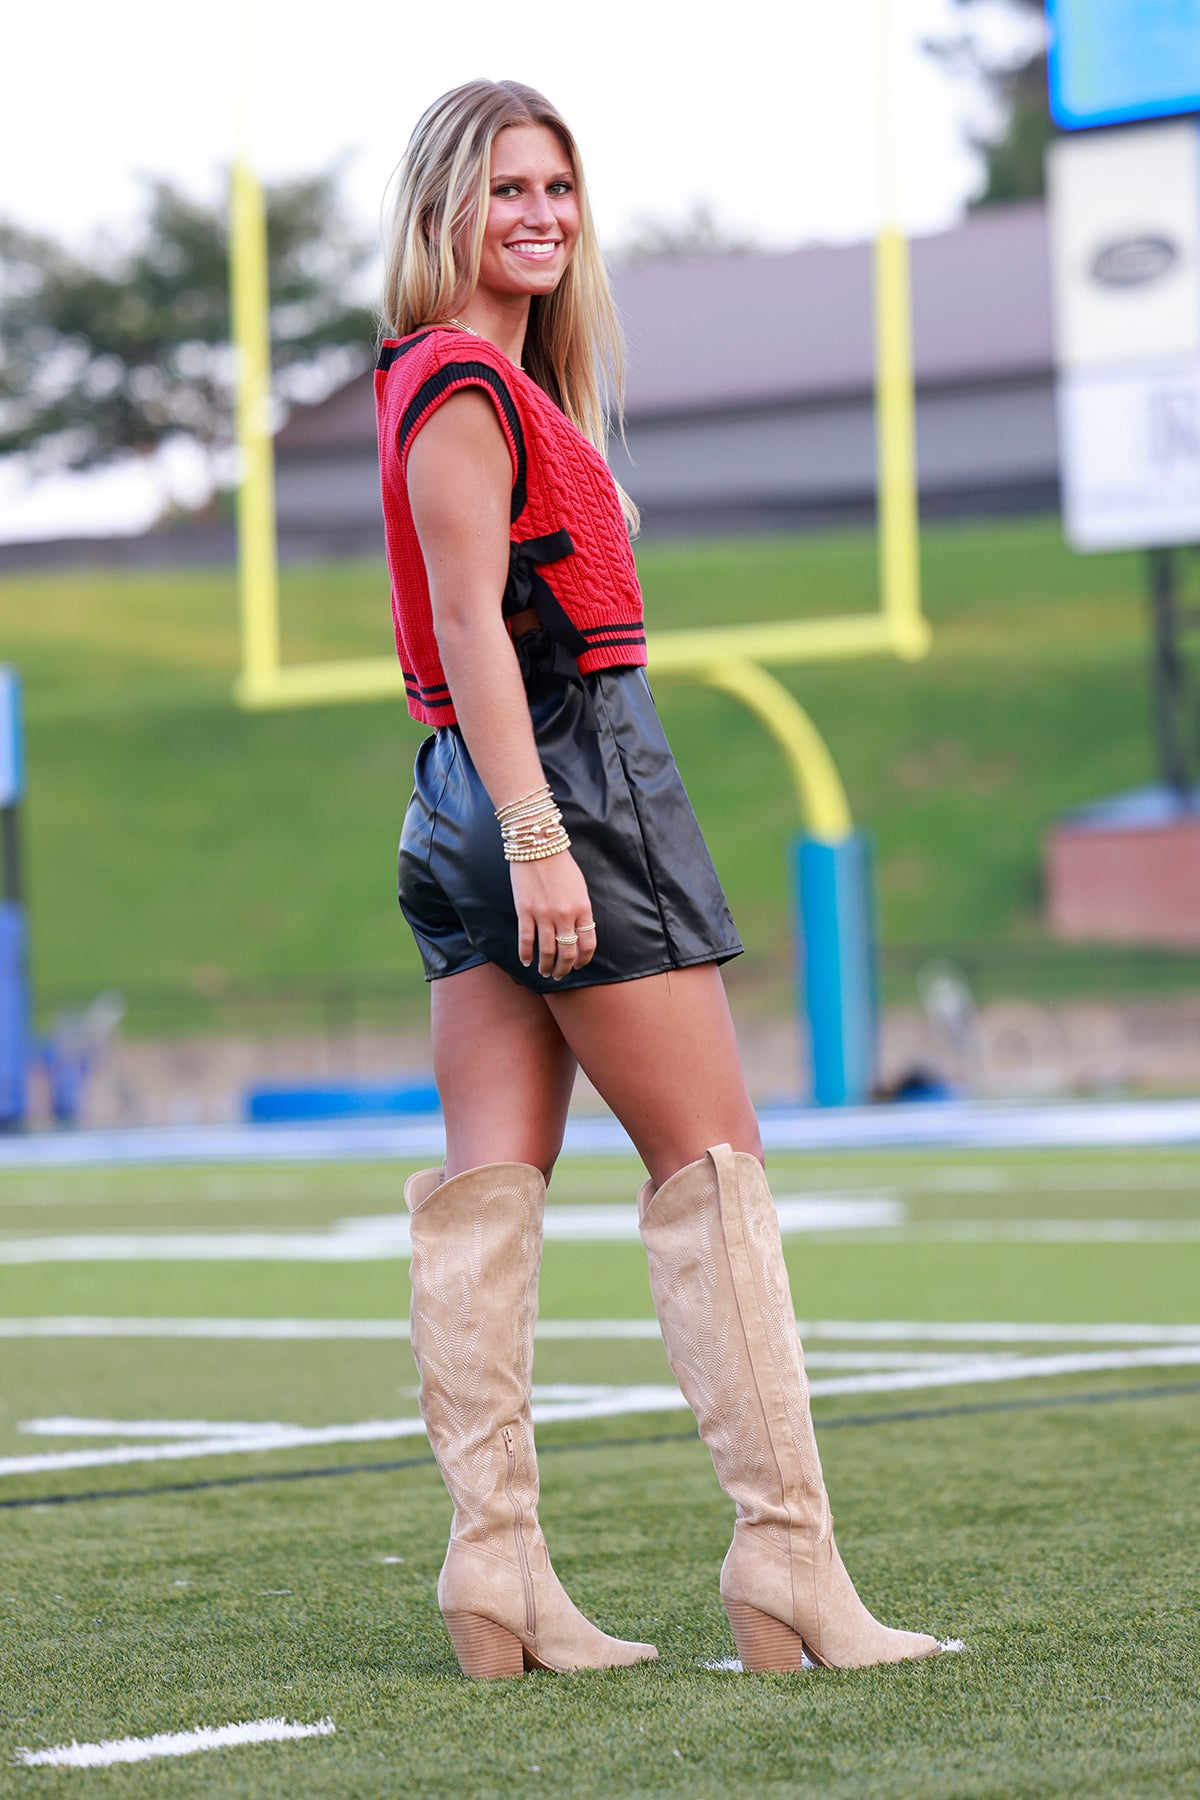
519	1520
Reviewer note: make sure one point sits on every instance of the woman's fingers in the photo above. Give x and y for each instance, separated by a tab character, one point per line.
555	923
558	944
586	947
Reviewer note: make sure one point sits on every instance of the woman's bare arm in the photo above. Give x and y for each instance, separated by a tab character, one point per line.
459	486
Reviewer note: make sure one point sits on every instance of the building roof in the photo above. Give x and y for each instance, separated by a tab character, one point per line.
754	329
724	331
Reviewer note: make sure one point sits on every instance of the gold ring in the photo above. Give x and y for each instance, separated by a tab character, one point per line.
588	925
567	937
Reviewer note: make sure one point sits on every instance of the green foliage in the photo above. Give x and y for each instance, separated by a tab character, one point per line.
1012	141
124	348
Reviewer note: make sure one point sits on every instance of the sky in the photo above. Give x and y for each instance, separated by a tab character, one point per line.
765	113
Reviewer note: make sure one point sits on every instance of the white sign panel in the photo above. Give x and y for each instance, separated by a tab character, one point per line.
1130	455
1125	244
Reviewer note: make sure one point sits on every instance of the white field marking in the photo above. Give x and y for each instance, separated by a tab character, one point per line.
612	1402
570	1330
992	1331
1010	1368
69	1426
383	1236
1078	1178
172	1743
1053	1231
607	1403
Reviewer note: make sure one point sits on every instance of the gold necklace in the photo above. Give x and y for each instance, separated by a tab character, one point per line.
441	324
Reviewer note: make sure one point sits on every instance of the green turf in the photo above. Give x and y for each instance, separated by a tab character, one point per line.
1053	1530
179	845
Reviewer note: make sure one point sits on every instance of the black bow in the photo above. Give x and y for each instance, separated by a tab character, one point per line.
552	652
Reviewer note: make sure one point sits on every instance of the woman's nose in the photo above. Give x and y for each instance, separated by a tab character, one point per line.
538	210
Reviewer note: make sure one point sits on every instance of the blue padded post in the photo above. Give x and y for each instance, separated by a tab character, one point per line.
835	936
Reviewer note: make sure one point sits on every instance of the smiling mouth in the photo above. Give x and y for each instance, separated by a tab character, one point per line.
535	247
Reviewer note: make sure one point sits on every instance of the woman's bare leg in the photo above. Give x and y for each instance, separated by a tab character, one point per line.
503	1070
663	1053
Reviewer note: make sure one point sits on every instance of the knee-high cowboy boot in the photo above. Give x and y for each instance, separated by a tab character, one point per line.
476	1249
721	1293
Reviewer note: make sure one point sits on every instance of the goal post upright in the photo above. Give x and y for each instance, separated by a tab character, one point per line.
258	573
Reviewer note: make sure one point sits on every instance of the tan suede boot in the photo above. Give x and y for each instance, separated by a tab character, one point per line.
476	1249
721	1293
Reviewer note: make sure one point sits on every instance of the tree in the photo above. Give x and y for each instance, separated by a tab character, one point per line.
128	348
1010	77
698	233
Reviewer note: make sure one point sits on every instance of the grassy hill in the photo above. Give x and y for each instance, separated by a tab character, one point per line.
177	842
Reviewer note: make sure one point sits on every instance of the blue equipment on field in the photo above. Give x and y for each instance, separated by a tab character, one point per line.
835	925
14	976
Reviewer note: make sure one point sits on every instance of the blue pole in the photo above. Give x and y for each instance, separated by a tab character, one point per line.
835	937
14	960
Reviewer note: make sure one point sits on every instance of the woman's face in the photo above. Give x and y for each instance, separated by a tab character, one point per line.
533	214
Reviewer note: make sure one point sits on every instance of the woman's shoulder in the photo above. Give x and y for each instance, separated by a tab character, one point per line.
443	354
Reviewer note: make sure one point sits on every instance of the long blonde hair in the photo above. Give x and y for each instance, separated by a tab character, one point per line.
434	244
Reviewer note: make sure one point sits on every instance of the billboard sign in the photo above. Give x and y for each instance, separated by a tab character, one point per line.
1129	446
1116	60
1125	244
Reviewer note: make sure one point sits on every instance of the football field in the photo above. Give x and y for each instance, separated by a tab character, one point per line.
220	1526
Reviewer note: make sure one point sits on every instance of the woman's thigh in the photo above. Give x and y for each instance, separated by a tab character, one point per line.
663	1053
503	1069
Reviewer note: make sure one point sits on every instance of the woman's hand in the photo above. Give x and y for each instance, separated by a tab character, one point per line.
552	905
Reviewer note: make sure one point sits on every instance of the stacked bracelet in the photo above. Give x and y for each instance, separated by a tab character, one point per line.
532	827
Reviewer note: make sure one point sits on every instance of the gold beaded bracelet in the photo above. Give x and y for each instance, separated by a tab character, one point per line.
535	855
537	794
531	827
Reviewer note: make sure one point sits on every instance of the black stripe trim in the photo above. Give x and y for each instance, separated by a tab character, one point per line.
393	352
434	687
601	640
478	374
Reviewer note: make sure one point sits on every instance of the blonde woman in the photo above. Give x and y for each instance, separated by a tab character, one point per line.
566	909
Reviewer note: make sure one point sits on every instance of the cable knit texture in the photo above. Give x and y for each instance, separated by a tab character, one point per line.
560	482
724	1304
476	1249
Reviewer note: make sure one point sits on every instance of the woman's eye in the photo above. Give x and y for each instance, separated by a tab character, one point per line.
559	187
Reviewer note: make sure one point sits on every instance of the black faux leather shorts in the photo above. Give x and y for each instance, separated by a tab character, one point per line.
655	895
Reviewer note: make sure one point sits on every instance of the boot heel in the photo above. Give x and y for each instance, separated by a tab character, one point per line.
485	1650
765	1645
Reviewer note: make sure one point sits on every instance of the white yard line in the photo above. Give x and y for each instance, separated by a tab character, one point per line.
988	1331
172	1743
382	1236
1053	1231
386	1237
1011	1368
608	1402
993	1331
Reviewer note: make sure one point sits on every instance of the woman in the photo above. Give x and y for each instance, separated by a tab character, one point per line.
566	910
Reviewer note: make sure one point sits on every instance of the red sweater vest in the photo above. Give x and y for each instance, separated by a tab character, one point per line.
565	514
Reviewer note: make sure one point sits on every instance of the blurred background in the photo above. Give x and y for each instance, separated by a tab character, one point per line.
209	893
